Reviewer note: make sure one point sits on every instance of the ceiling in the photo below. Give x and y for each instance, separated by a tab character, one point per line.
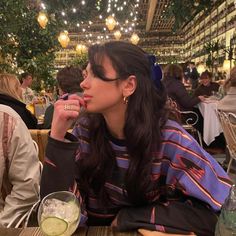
153	26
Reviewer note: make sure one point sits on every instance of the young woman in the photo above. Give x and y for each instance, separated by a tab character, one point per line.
129	165
173	76
206	86
11	95
20	169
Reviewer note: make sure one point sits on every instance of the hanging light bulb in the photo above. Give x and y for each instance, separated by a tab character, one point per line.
84	49
42	19
110	22
64	39
196	3
134	39
80	48
201	68
117	35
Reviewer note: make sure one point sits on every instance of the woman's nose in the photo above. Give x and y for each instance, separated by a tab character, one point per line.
85	83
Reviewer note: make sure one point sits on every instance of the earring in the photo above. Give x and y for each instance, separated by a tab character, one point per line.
125	99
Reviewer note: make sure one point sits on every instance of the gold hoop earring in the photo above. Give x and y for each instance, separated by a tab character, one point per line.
125	99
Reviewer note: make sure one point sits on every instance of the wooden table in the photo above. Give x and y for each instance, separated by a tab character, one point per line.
91	231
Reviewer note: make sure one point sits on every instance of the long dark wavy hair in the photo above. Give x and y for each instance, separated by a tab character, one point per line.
145	116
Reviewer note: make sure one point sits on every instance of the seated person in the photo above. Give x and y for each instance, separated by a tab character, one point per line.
28	95
172	80
20	168
206	86
11	95
228	103
68	79
130	166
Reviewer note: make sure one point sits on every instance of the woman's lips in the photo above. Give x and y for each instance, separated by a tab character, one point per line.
87	97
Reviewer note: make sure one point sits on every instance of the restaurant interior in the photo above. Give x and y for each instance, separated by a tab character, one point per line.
41	37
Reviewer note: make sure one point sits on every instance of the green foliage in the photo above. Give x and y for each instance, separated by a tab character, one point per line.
184	10
80	60
25	46
211	48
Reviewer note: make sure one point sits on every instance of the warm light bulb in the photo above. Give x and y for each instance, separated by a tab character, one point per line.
110	22
201	68
42	19
134	39
64	39
117	35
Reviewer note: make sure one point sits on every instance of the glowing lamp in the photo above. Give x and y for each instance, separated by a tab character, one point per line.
134	39
110	22
64	39
42	19
117	35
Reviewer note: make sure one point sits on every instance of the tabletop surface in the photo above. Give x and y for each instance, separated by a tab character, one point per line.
91	231
211	124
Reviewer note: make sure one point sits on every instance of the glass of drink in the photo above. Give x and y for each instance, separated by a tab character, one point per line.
59	214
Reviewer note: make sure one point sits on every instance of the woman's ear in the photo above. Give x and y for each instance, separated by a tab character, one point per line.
130	85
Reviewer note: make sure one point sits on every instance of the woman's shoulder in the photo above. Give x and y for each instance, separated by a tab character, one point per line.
174	132
172	125
9	111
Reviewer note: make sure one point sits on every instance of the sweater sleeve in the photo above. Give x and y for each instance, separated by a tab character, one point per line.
59	170
24	173
191	171
184	99
174	217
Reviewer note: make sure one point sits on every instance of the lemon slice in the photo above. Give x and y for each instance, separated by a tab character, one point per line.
53	226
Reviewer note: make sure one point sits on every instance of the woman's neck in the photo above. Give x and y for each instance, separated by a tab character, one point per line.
24	86
115	124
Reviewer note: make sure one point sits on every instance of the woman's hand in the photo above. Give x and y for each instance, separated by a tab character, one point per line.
202	98
65	113
145	232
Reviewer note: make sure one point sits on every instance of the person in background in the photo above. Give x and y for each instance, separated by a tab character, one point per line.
26	82
128	164
206	87
193	75
84	72
11	95
20	170
172	80
228	103
68	79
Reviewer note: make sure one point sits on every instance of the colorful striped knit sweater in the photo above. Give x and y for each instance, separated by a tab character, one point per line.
193	183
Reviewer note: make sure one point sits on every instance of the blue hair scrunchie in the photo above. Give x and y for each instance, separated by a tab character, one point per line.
156	72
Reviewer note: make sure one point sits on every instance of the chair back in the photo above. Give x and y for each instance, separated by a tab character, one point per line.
228	123
40	136
187	119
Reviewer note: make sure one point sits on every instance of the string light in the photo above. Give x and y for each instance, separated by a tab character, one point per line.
114	8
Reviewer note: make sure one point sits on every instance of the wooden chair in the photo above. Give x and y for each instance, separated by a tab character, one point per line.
40	136
186	118
228	123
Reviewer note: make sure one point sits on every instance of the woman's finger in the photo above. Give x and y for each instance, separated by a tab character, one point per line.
145	232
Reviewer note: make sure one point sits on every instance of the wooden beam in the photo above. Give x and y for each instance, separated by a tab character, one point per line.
150	14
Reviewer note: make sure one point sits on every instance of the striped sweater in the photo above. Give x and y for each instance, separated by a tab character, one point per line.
194	186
